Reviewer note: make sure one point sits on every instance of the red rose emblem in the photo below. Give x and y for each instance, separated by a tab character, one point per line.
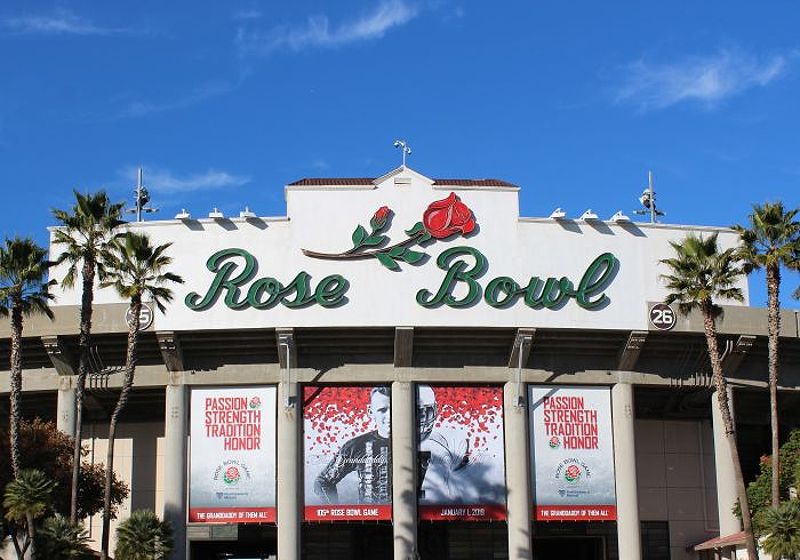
379	218
445	217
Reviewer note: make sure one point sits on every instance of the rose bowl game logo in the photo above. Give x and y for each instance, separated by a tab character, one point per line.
572	474
554	442
442	219
231	472
255	402
232	475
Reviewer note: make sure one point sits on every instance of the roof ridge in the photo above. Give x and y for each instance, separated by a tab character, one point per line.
347	181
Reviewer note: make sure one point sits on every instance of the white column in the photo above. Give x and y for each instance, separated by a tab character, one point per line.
628	532
518	479
404	470
175	461
289	468
726	480
65	406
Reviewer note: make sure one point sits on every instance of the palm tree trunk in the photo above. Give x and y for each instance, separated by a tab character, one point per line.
721	386
84	341
773	331
130	370
30	553
16	386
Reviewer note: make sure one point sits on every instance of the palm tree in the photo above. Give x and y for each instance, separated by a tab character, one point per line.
60	539
783	540
771	240
84	231
26	499
23	291
143	536
136	270
699	274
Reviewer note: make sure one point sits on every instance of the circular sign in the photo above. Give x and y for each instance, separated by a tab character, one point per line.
145	317
662	317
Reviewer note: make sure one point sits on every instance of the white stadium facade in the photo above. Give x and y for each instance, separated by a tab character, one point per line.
404	367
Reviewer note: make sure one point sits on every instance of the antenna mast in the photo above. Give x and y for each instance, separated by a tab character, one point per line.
142	198
648	200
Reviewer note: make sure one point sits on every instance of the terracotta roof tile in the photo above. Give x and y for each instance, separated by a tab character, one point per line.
474	183
350	181
720	542
343	181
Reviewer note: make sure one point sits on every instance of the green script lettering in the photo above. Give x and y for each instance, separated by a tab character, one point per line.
235	268
501	292
264	292
458	271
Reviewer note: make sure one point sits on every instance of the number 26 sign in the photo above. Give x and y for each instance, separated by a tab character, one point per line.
662	317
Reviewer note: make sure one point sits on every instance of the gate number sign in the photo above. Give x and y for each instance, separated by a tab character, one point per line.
662	317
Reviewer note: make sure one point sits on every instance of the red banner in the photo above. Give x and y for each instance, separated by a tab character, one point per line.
233	515
576	513
349	513
481	512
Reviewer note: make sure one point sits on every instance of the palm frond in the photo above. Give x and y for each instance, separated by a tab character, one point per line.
700	273
136	268
770	238
84	230
23	277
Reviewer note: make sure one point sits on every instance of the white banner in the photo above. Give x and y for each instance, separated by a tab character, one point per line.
232	473
572	453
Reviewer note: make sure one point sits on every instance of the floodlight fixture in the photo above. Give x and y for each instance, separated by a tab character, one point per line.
589	216
558	214
620	218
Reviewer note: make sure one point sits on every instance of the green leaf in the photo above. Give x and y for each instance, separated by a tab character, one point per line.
425	237
387	261
415	229
359	234
412	257
397	252
374	240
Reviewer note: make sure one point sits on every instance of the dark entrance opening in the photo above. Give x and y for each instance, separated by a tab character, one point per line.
254	542
462	541
344	541
574	548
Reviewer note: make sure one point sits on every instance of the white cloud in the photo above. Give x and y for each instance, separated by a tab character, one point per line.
706	79
318	32
60	22
242	15
199	94
160	180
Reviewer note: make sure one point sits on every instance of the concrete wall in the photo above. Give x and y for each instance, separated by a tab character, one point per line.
142	441
675	466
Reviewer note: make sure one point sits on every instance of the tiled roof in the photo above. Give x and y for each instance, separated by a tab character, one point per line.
350	181
721	542
344	181
474	183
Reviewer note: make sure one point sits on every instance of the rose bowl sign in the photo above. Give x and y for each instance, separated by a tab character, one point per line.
461	286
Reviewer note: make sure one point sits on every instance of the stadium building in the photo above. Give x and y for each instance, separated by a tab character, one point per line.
405	367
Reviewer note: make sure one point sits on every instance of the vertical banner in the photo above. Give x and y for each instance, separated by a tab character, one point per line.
572	453
461	453
348	453
232	472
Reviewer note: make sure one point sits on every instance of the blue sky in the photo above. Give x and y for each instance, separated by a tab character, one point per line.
223	103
